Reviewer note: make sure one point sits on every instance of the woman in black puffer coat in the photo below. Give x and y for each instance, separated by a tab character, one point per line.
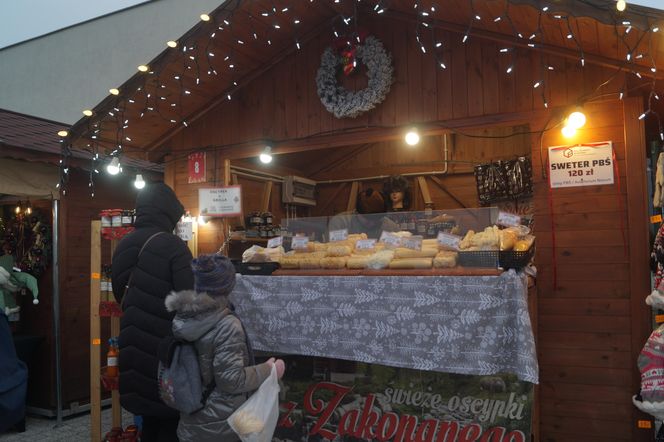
164	266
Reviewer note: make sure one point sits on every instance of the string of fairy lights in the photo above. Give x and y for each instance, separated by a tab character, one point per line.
216	57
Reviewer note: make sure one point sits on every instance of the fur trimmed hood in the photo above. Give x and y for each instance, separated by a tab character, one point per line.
191	302
195	313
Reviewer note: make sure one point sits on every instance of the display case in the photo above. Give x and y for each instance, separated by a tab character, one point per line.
452	239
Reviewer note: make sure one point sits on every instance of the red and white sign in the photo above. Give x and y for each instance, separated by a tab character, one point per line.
220	201
197	168
588	164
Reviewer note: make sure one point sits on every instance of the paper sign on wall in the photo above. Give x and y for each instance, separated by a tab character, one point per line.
220	201
581	165
185	230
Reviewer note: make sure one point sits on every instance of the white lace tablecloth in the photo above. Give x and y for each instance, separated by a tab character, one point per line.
475	325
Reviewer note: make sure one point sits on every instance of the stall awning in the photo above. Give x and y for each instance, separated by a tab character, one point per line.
27	179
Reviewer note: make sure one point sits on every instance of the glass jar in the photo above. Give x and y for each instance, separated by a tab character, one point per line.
127	218
267	218
255	219
116	218
422	226
105	218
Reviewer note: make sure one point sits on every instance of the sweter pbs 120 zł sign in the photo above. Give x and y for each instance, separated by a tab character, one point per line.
588	164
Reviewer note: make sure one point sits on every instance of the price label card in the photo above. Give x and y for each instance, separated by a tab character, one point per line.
338	235
659	319
644	424
412	242
656	219
390	239
508	219
275	242
300	242
448	240
365	244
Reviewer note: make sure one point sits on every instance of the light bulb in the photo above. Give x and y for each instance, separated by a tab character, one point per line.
621	5
205	17
412	137
114	166
266	155
17	210
143	68
201	220
576	119
87	113
63	133
568	131
114	91
172	44
139	183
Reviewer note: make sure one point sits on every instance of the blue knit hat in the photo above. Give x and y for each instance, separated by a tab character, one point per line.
213	274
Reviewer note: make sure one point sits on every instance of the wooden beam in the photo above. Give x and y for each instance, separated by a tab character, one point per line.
442	187
352	198
342	157
510	41
267	192
415	204
424	187
95	332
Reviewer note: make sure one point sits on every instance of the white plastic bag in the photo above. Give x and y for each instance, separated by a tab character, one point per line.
256	419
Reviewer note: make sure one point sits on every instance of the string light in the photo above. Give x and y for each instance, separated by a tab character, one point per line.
114	91
172	44
139	182
143	68
87	112
621	5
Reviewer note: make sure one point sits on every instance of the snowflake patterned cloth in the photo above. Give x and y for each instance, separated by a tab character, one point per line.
475	325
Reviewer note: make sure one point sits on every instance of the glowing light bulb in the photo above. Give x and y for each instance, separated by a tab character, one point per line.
568	131
266	156
205	17
114	166
63	133
139	183
172	44
621	5
114	91
143	68
201	220
87	113
412	137
576	119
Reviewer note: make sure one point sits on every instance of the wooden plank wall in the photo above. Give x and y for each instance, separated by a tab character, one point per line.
592	327
77	210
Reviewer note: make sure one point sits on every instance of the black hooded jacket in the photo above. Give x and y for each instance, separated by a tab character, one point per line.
164	266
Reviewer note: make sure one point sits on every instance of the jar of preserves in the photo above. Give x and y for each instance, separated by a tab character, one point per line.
255	219
422	226
267	218
127	218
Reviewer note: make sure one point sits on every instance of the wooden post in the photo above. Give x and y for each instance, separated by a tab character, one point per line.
115	394
224	223
95	332
424	188
352	198
267	191
236	182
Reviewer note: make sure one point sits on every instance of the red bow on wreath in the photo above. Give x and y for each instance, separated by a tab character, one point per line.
346	46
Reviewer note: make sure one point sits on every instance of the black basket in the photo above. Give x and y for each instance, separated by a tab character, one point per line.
255	268
480	258
511	259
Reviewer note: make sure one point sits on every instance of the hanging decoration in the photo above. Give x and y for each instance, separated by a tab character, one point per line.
342	102
28	239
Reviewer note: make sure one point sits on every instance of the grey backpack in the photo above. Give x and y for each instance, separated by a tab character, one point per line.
179	376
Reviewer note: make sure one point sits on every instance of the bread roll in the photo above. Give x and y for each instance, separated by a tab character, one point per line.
309	263
310	247
357	236
357	262
524	244
445	260
335	250
246	423
430	243
411	263
507	239
402	252
289	262
333	262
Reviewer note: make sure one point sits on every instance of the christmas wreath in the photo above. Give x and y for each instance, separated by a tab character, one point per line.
342	102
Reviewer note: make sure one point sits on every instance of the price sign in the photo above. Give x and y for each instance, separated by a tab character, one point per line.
390	239
365	244
508	219
656	219
588	164
413	242
220	201
338	235
275	242
448	240
300	242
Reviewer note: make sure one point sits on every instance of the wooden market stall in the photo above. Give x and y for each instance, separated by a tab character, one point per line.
499	95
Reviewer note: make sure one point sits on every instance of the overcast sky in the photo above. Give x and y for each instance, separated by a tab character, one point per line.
24	19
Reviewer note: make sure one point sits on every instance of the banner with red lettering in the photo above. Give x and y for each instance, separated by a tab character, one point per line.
325	399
